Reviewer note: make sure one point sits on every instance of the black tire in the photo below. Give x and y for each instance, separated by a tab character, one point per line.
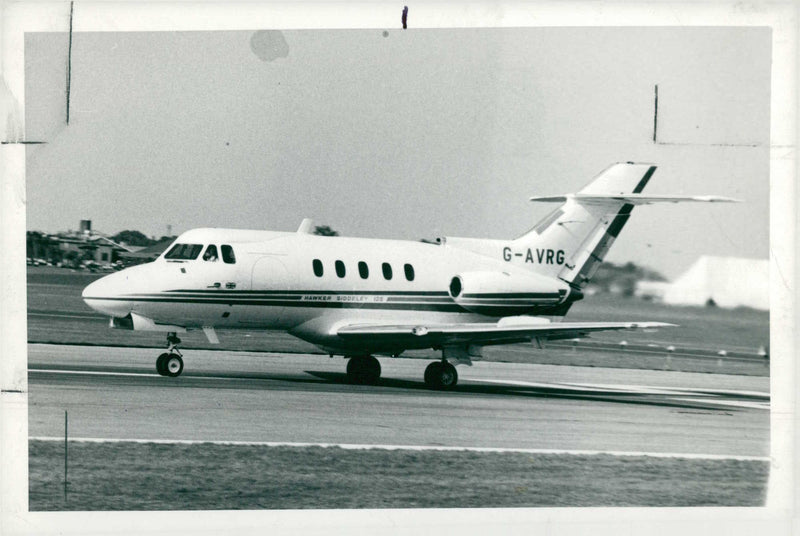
441	376
160	364
352	369
371	373
432	371
363	370
173	365
448	378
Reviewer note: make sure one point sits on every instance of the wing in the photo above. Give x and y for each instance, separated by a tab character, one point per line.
481	334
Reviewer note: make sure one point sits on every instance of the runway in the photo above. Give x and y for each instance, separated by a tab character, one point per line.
114	393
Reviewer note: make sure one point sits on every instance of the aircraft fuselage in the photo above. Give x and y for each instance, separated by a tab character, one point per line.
308	284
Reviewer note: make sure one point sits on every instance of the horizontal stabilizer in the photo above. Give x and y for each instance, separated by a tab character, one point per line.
633	199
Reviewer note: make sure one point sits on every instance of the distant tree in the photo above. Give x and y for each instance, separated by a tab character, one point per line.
133	238
623	277
71	258
324	230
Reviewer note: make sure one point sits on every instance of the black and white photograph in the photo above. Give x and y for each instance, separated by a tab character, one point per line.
395	268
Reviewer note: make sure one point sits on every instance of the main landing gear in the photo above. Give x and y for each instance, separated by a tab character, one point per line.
364	370
441	375
171	362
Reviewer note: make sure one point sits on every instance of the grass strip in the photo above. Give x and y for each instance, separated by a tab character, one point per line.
149	476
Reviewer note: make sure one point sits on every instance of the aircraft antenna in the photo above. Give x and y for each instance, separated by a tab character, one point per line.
655	116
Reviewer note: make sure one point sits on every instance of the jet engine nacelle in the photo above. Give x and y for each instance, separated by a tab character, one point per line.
506	293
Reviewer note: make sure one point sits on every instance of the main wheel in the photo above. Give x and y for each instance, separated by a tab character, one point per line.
160	364
431	372
173	365
364	370
441	375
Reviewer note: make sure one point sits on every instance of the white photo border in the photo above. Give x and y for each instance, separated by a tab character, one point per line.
31	16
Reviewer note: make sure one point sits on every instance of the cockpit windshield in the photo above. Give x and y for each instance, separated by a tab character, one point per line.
211	253
184	252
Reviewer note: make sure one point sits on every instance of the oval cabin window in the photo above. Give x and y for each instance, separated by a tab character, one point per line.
409	272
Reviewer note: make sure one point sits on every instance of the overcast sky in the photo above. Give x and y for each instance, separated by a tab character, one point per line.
401	134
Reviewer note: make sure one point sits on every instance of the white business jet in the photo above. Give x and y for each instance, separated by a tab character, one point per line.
361	297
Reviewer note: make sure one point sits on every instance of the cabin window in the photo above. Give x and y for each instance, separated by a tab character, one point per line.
340	271
317	264
387	271
227	254
409	272
211	254
184	252
363	270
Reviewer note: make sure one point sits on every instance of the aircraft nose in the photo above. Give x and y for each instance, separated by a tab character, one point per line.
107	295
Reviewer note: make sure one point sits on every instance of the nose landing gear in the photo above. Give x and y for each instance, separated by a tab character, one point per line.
170	363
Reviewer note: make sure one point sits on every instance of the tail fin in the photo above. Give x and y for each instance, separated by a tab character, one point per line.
572	241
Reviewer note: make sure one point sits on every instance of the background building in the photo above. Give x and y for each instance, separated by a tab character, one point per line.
723	281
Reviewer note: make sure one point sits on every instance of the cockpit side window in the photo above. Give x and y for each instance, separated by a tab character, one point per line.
227	254
211	254
184	252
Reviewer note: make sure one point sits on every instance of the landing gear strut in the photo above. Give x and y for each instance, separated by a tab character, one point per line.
171	362
363	369
441	375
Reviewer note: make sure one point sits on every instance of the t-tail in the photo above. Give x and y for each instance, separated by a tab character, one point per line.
572	241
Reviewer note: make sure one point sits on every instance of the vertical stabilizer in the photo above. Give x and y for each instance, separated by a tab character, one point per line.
580	231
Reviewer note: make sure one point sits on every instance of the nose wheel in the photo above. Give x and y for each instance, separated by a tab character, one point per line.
170	363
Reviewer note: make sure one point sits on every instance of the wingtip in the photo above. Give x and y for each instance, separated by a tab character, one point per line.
718	199
651	325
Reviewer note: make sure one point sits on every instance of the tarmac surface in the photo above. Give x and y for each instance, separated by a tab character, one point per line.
115	393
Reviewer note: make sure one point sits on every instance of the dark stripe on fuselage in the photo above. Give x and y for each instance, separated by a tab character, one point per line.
224	296
512	295
440	306
279	302
308	292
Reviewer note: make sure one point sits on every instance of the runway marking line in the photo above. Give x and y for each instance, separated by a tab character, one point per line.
621	389
66	315
709	394
731	403
645	389
135	374
696	391
347	446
